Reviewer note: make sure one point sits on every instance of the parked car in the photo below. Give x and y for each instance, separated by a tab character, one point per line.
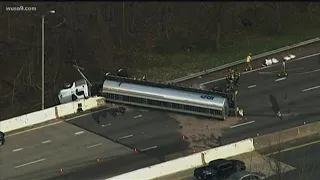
245	175
219	169
2	139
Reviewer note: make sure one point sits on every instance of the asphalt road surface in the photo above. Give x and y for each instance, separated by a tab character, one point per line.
295	160
112	138
262	94
96	145
304	157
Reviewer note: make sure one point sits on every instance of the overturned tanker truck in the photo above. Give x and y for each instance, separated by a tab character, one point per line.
121	89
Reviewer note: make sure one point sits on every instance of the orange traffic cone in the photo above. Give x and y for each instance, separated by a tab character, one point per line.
61	171
135	150
183	138
98	160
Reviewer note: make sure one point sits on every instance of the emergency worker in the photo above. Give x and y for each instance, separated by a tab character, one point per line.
230	78
236	76
249	67
283	71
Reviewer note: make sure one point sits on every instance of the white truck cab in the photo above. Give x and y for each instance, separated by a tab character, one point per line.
71	92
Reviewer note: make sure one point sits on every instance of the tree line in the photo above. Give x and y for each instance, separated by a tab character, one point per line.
102	36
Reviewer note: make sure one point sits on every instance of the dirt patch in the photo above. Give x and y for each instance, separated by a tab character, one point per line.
202	133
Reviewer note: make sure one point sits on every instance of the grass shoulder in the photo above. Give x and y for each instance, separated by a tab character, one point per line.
168	66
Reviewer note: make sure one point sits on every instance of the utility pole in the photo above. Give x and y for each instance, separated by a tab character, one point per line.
42	90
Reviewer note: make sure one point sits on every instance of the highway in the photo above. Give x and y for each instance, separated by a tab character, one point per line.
41	153
79	142
297	160
262	94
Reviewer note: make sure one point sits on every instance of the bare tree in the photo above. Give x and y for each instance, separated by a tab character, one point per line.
15	83
135	6
278	9
220	13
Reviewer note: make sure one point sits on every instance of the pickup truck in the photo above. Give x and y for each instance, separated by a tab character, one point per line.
219	169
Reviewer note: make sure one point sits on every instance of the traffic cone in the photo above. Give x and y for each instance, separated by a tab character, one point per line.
135	150
183	138
98	160
61	171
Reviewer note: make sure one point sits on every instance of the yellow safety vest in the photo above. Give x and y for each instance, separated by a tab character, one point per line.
248	58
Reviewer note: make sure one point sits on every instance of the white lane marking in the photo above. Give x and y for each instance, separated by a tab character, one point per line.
289	114
51	124
106	125
280	79
45	142
137	116
95	145
124	137
308	89
270	72
28	130
16	150
262	68
308	72
29	163
237	125
252	86
80	132
146	149
86	114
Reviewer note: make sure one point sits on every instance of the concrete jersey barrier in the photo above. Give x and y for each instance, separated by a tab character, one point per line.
27	120
192	161
49	114
229	150
275	138
286	48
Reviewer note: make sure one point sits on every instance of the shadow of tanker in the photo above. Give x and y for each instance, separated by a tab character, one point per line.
274	105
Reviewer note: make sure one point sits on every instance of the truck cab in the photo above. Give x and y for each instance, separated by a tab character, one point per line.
71	92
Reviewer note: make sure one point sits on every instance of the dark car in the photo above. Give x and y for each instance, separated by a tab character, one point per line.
219	169
2	139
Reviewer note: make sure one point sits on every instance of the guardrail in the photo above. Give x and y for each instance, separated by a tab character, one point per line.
192	161
286	48
48	114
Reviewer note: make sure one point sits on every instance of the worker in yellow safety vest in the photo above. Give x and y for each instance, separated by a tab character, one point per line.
249	67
